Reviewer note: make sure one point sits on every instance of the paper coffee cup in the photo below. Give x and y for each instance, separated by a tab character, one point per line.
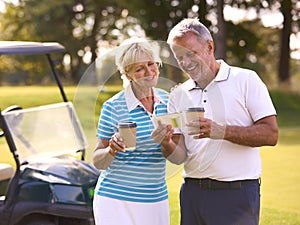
194	113
127	131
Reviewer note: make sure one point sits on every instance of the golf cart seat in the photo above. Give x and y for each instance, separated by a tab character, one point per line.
6	171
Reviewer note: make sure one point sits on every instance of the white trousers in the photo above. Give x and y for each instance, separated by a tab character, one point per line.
108	211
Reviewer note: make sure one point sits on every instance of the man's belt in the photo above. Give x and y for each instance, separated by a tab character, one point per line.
207	183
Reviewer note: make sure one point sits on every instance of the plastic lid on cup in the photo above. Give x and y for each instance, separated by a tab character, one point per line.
127	124
196	109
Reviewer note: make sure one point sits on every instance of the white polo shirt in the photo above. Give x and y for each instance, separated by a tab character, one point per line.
235	97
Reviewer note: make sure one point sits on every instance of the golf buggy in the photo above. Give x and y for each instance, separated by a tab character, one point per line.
50	184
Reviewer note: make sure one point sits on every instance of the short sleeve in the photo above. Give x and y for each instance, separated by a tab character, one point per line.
258	100
107	124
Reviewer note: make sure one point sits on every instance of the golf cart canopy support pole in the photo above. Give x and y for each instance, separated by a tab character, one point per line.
54	71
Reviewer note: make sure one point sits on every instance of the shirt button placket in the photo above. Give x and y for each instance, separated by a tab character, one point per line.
204	96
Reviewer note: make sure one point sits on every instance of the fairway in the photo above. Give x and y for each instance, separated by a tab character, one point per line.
280	200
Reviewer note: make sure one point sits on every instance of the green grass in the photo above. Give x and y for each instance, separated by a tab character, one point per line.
288	108
280	201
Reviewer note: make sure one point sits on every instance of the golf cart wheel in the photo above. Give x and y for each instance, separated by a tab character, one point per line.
40	222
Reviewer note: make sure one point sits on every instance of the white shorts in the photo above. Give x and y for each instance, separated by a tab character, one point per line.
108	211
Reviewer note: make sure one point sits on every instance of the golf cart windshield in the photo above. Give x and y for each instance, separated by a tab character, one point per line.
49	130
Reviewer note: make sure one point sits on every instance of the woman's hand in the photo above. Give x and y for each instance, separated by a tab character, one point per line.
163	133
116	144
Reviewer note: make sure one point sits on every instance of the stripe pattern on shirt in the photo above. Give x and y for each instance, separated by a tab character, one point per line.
136	175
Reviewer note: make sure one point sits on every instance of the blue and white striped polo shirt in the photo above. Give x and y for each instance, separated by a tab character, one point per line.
136	175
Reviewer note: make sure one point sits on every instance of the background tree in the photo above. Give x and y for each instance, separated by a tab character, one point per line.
290	9
284	60
77	24
85	26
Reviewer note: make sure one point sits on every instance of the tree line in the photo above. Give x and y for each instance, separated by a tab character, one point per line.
84	27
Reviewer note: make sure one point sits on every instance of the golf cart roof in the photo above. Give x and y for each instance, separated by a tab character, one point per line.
35	48
29	48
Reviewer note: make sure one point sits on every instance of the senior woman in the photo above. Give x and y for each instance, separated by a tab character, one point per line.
131	189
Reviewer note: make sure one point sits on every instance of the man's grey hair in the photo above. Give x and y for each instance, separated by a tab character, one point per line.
189	25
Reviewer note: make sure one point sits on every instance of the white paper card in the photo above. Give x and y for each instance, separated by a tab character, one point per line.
174	119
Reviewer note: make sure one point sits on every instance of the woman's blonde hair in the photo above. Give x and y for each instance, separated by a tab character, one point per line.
136	50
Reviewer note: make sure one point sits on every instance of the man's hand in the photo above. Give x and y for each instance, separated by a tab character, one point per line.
263	132
206	128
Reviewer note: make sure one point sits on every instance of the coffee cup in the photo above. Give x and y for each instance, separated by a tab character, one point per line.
193	113
127	131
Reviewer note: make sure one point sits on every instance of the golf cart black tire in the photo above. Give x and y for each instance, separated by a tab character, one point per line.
49	220
40	222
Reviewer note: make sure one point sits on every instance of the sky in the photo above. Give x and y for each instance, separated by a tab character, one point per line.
269	18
